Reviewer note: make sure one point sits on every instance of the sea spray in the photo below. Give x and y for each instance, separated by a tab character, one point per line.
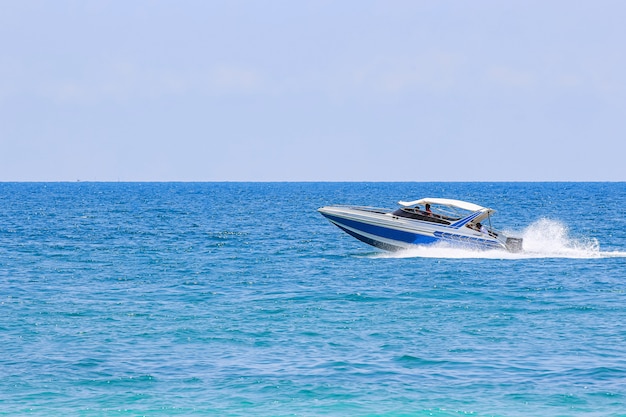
545	238
551	238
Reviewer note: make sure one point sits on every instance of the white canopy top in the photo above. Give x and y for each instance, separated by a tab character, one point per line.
444	202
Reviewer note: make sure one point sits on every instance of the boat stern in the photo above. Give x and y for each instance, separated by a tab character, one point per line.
514	244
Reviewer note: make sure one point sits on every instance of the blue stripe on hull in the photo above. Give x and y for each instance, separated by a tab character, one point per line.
379	231
369	241
359	230
467	240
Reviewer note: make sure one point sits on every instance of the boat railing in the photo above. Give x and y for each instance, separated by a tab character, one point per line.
491	231
364	208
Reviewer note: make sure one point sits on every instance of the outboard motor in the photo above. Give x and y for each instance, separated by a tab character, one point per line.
514	244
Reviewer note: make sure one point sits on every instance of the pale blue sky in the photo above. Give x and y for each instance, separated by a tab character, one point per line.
154	90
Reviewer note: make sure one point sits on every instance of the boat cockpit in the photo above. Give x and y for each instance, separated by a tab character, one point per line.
419	214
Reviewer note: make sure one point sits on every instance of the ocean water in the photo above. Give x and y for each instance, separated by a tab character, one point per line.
237	299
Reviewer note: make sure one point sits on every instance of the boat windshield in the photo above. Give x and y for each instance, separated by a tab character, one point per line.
445	212
418	214
440	213
451	212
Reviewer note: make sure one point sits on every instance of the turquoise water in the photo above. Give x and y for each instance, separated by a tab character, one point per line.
240	299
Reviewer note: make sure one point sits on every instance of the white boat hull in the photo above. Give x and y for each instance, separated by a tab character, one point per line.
382	229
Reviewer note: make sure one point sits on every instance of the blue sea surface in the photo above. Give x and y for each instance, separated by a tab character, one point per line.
239	299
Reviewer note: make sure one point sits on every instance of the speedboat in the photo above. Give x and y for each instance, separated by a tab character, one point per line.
422	222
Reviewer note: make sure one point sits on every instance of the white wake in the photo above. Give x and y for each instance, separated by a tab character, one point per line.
542	239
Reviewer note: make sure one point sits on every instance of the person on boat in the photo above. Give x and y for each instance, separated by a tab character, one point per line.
428	212
482	229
